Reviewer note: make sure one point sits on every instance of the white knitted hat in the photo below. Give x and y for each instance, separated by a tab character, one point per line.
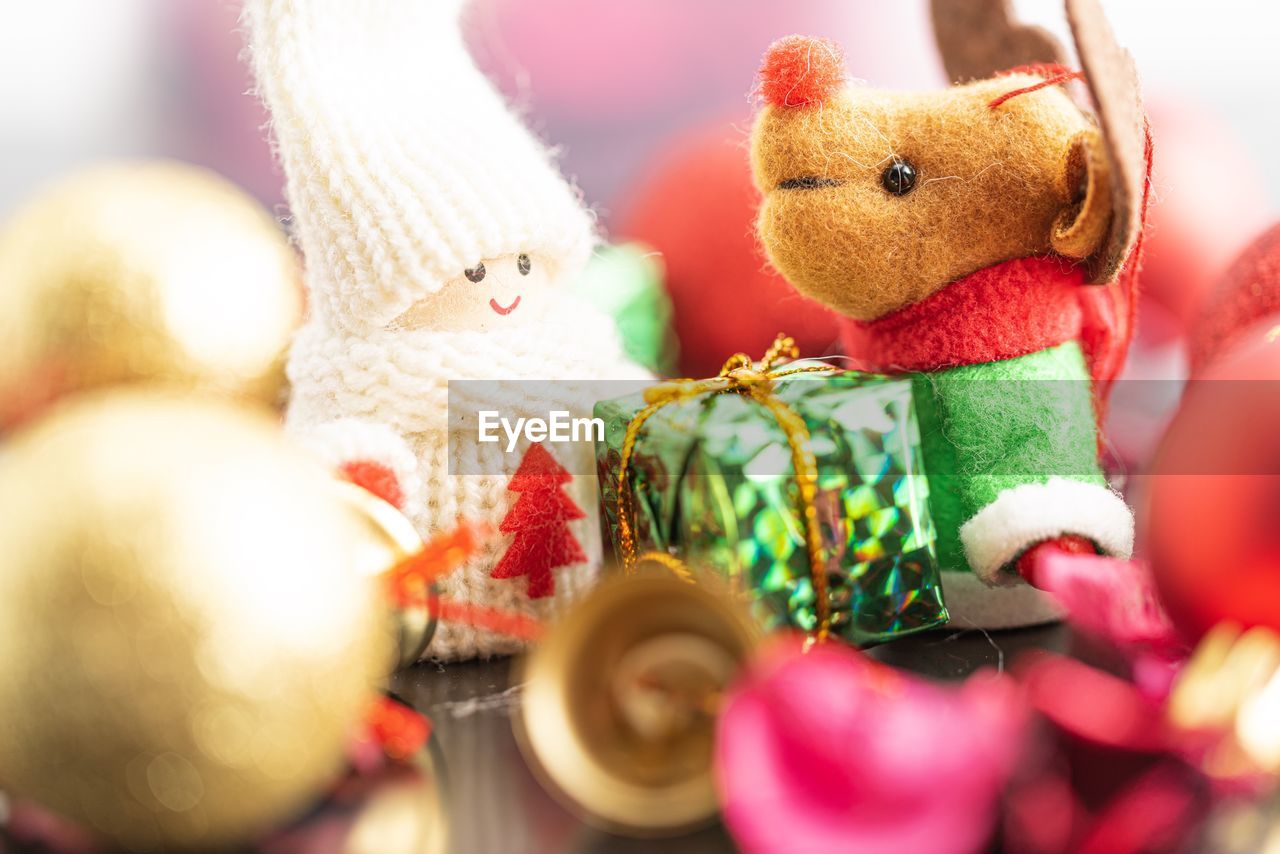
404	166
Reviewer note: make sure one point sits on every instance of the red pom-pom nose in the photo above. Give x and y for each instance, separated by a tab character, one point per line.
799	71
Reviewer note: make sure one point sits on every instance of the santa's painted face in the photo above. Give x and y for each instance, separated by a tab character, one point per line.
496	292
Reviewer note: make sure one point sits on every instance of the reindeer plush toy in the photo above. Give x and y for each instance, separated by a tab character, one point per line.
983	238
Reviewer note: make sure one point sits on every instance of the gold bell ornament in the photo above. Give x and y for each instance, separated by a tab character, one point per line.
621	697
143	271
185	647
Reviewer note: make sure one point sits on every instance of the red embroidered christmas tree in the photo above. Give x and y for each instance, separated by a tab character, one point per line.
540	521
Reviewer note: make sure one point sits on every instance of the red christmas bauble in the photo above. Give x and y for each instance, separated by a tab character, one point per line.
1213	510
1247	294
1198	222
696	206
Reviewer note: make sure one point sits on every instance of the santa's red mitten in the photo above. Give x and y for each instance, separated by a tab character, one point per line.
372	456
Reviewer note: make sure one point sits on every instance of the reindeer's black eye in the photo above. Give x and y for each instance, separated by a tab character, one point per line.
523	264
808	182
899	178
476	273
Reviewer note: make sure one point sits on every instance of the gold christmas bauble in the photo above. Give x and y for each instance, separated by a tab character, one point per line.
185	642
143	271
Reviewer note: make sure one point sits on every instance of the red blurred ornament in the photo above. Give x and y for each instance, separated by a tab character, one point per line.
1214	495
1198	221
696	206
1248	293
395	727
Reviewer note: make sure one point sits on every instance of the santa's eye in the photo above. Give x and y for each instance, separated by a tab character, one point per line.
523	264
899	178
476	273
808	182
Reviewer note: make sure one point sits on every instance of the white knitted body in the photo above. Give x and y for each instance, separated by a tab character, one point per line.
408	178
398	382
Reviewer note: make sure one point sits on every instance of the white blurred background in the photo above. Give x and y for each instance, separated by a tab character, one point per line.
82	79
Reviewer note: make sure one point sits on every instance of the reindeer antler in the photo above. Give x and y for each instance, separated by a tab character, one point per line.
1117	95
977	38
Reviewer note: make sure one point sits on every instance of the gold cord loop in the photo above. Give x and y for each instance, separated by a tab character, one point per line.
740	375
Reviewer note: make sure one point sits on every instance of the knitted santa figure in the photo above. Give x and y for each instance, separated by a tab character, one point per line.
982	239
440	243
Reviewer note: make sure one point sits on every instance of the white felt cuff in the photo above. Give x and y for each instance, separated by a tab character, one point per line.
1034	512
349	440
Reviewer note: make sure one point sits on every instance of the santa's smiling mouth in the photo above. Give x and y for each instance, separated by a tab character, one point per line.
503	309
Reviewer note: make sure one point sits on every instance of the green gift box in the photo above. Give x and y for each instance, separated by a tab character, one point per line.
713	481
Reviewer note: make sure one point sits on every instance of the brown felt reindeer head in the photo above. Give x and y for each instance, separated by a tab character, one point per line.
874	200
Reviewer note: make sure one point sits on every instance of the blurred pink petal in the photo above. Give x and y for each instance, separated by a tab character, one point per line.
830	750
1114	599
1089	704
1116	602
1157	812
31	824
1111	776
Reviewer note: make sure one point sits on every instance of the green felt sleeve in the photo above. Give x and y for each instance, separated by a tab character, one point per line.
991	427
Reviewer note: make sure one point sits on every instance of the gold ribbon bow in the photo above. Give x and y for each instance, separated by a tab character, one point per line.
740	375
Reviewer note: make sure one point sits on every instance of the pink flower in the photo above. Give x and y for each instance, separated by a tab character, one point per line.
829	750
